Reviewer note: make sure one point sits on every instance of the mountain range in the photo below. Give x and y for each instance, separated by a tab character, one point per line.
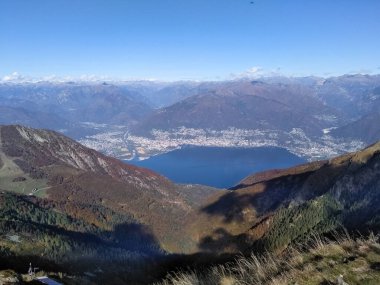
322	117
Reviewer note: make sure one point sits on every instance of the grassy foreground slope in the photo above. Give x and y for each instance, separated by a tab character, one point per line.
321	262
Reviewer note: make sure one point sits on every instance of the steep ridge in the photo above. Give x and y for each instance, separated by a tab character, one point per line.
269	210
71	209
74	178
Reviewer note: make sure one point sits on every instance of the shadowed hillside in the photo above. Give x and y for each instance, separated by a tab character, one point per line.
64	171
70	208
270	210
343	260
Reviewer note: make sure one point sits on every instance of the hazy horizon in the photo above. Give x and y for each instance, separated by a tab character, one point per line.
16	77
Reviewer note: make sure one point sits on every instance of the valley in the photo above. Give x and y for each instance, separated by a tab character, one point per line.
125	145
313	118
229	167
96	209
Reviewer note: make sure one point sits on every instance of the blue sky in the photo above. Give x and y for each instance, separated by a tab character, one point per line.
188	39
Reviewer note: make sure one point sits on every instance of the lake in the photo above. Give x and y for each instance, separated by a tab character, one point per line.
217	166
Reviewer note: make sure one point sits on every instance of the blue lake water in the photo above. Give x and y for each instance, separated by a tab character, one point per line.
218	167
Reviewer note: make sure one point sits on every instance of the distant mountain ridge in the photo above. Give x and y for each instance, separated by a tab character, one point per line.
76	102
354	95
309	116
367	128
21	116
245	105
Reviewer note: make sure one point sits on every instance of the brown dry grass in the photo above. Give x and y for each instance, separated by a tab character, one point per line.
322	261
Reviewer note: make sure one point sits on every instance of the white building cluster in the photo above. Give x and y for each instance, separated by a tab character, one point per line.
125	145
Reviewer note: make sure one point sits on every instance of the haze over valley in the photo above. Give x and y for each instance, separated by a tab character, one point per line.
312	118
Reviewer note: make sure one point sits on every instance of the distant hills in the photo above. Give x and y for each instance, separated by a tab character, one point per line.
246	105
22	116
312	117
367	128
354	95
274	104
99	103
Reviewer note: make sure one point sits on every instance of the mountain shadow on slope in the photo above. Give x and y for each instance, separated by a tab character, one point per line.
268	211
57	242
